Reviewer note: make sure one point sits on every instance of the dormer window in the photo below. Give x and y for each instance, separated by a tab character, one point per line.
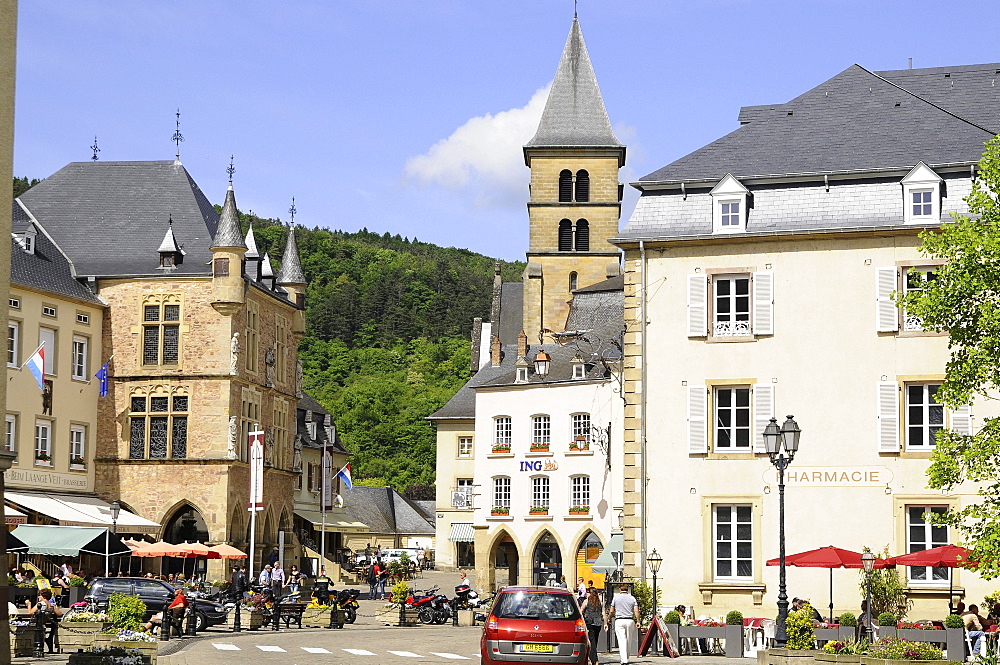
579	369
921	195
522	375
27	239
729	206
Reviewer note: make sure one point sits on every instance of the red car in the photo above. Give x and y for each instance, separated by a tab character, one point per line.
534	625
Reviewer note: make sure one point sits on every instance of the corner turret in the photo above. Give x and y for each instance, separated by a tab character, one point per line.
291	277
228	251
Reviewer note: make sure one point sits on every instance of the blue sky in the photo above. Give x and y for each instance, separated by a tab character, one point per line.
408	117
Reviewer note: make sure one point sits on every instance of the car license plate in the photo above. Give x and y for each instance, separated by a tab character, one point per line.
537	648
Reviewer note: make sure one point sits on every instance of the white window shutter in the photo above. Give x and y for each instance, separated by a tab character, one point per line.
888	417
763	411
763	303
961	420
697	305
697	416
887	314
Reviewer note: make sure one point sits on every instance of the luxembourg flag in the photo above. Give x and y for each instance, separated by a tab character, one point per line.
36	363
345	474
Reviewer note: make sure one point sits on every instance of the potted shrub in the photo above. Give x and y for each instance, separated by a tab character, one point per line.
954	629
894	651
501	448
79	630
848	626
800	630
538	510
886	623
539	447
672	619
579	510
734	634
77	589
499	511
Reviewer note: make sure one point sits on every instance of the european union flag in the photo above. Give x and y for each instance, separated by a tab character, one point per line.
102	376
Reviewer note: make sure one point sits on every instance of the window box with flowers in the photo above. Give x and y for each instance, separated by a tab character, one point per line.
538	447
77	464
580	443
579	510
499	511
538	510
501	448
43	459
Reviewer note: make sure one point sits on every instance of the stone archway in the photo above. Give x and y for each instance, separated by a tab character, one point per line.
501	565
185	525
546	560
588	549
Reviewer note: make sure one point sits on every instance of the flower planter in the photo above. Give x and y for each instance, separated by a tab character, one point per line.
827	634
734	641
22	640
76	594
955	643
884	632
75	635
536	511
868	660
579	512
539	448
848	633
500	513
838	658
255	620
146	648
43	462
500	450
408	617
77	467
91	658
704	632
316	618
918	635
787	656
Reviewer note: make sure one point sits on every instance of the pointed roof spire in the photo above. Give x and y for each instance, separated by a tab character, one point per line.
291	267
228	232
266	269
574	113
251	243
169	243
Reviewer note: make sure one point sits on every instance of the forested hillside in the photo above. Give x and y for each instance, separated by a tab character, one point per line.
388	338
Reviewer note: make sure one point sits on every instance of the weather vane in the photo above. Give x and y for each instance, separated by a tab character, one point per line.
574	8
95	149
178	138
231	170
292	210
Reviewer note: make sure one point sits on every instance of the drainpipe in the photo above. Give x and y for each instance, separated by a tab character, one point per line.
642	419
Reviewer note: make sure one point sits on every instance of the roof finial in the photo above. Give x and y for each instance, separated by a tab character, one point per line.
292	211
231	170
574	8
95	148
178	138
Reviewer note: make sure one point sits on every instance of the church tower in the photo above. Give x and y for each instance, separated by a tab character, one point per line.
575	196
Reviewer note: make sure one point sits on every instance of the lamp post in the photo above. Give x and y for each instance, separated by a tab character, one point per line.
868	561
781	445
542	361
115	509
654	561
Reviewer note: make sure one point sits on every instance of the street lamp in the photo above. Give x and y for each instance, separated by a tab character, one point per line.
115	509
654	560
781	445
542	361
868	561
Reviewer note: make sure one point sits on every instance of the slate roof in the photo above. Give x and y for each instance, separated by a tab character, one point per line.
46	270
857	121
574	113
307	403
109	217
463	404
228	232
385	512
560	369
599	307
511	312
291	267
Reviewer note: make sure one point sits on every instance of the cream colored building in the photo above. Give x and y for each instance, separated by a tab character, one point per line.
760	271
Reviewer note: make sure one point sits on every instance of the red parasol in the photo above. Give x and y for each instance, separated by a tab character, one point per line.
945	556
228	551
197	551
827	557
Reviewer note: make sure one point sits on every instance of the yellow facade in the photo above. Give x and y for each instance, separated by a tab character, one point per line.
453	463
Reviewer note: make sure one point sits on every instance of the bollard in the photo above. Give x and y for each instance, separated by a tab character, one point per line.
39	634
275	614
192	621
454	612
402	614
237	627
165	623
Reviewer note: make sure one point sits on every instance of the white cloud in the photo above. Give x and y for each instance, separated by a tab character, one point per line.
483	157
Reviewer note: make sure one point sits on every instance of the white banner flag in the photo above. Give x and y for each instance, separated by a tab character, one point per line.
327	479
256	441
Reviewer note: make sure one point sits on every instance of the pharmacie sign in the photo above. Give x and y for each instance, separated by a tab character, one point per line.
832	476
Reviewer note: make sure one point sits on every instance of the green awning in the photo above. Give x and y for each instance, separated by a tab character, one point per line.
70	540
606	561
461	532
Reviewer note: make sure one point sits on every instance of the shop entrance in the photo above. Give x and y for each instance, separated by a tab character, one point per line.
546	562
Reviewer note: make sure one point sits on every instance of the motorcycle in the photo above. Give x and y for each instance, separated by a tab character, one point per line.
347	600
441	606
467	599
424	605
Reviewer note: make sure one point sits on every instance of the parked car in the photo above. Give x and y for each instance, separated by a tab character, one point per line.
534	625
156	594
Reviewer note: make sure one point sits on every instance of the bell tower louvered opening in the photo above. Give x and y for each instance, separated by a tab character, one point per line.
582	243
565	236
582	186
565	186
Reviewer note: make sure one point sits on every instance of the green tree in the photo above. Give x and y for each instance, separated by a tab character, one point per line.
964	301
21	185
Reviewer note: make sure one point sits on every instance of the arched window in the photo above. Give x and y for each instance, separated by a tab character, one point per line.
582	236
582	186
565	186
565	236
572	281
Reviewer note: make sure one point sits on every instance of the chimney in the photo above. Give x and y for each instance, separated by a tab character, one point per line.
497	289
477	335
495	348
522	344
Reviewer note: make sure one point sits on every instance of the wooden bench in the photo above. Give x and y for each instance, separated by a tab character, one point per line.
290	614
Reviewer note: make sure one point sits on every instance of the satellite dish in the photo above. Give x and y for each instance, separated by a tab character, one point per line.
338	501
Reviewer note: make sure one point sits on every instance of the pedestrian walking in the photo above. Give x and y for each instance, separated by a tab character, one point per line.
581	591
595	616
625	611
373	570
294	579
265	577
277	580
383	577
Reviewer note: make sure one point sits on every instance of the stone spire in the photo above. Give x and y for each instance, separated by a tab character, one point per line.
574	113
251	243
228	233
266	269
169	244
291	266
